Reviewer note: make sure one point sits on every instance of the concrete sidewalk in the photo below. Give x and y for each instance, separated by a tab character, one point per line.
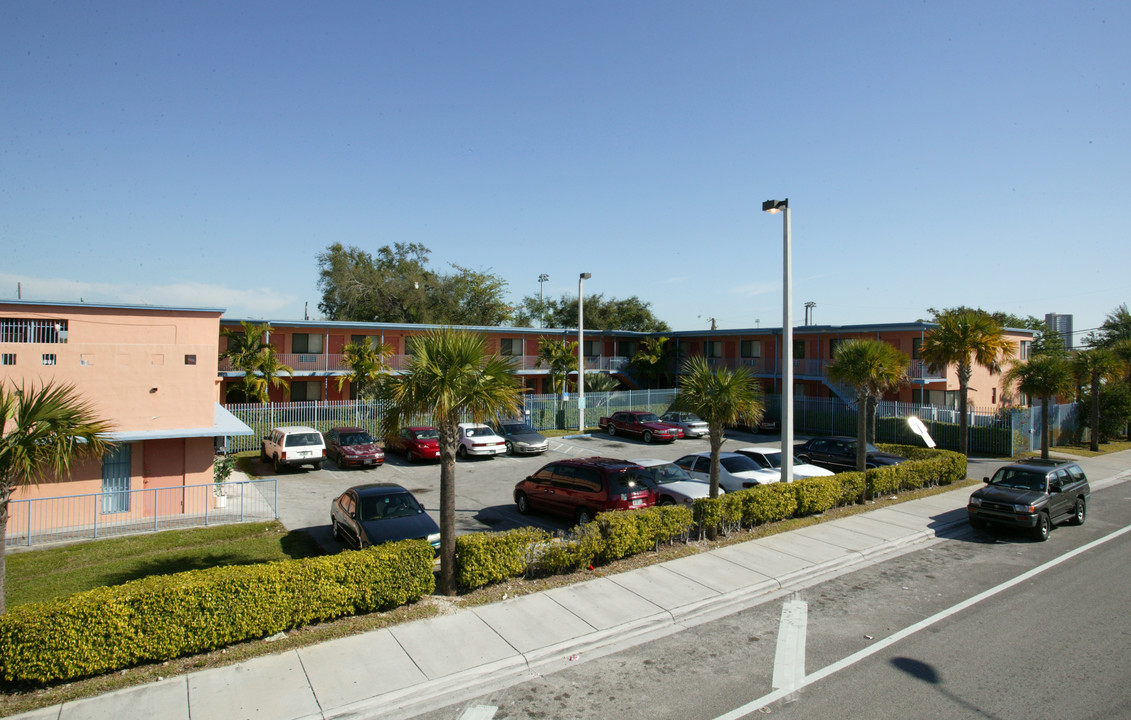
399	671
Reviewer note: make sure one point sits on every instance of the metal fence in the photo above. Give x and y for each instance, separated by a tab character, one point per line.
127	512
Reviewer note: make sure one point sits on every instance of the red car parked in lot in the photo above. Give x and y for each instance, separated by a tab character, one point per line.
416	443
582	487
353	447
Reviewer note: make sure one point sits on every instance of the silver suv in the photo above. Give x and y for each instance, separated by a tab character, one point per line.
293	445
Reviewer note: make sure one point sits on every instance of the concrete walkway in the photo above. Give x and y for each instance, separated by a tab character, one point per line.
399	671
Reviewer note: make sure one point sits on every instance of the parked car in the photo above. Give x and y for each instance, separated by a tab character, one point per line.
379	513
770	459
479	440
839	454
671	484
736	472
291	446
580	488
415	443
645	425
521	439
692	425
1033	494
353	446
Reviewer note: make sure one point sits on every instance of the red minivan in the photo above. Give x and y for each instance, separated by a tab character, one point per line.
582	487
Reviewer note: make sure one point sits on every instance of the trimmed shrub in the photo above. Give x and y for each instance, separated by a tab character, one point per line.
883	480
485	558
766	503
816	494
853	487
579	549
168	616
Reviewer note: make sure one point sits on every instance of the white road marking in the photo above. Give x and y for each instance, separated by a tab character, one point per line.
789	660
756	705
479	712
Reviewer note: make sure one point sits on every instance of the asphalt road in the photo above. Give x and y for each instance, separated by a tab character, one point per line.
893	640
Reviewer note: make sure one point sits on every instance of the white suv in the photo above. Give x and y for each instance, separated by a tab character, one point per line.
293	445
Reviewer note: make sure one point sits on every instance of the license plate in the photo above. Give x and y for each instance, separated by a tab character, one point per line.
368	462
638	501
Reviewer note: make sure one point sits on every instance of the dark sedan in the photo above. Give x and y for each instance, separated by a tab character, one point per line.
353	447
379	513
839	454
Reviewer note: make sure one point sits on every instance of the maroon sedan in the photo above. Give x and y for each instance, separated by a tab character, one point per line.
353	447
416	443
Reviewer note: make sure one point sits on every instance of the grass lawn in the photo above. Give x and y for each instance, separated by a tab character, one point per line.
35	575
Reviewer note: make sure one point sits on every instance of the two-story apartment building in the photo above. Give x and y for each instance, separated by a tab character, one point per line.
151	372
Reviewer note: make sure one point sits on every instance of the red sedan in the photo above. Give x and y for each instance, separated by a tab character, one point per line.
416	443
353	447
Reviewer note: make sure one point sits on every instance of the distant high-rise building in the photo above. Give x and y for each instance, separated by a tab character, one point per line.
1062	325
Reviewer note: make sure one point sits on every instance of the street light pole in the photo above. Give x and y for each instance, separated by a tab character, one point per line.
541	308
773	207
581	353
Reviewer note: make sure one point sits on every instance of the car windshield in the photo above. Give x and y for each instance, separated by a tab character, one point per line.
738	463
429	434
362	438
1020	479
669	473
480	431
385	507
624	481
517	429
868	447
647	417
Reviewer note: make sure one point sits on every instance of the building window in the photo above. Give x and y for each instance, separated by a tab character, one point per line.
510	346
713	348
751	348
17	330
116	480
190	359
798	349
833	343
627	349
408	345
49	358
305	391
8	359
306	343
1023	350
916	348
592	348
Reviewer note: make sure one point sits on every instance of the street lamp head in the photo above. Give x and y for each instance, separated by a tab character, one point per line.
775	206
543	278
586	276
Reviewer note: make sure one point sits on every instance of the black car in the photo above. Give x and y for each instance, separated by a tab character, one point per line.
379	513
839	454
1032	494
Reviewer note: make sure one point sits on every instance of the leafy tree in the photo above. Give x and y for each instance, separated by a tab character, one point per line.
1094	367
396	285
1114	414
366	361
249	351
451	375
964	338
1044	377
600	382
560	356
45	430
651	362
1116	326
873	367
600	313
720	397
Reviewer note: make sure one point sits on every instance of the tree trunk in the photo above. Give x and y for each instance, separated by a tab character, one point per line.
963	416
5	494
717	434
1095	444
448	441
861	432
1045	428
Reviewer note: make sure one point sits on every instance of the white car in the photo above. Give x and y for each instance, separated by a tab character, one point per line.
736	472
479	440
693	426
292	445
673	484
770	459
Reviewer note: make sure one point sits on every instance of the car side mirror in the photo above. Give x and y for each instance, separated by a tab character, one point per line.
985	479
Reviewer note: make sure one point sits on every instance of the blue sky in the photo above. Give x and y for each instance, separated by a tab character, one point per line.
934	153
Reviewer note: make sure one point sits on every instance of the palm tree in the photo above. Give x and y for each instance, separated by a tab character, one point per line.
873	367
560	356
720	398
651	361
1095	366
367	364
451	375
44	430
250	352
964	338
1044	377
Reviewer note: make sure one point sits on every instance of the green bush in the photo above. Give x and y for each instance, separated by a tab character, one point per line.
579	549
816	494
485	558
767	503
853	487
884	480
167	616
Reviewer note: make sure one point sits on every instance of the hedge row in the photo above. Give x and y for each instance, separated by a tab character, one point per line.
167	616
485	558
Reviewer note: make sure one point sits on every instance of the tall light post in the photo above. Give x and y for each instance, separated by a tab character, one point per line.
581	352
541	308
773	207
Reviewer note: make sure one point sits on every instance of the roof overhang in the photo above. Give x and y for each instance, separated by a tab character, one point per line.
224	424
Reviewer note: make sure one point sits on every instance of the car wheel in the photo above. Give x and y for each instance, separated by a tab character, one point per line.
666	501
335	530
317	466
275	464
263	456
1041	531
523	503
510	448
647	436
612	429
408	456
977	524
1081	512
462	452
584	516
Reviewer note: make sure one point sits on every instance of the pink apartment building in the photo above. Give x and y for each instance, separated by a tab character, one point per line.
151	372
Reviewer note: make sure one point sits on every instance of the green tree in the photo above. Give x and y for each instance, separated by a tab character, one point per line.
873	367
601	313
721	398
366	361
45	430
250	352
1094	367
1044	377
965	338
1115	410
600	382
560	356
1116	326
652	362
449	376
